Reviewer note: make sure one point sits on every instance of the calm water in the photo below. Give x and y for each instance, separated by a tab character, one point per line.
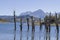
7	32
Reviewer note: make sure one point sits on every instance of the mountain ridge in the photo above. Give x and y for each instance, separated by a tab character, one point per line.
38	13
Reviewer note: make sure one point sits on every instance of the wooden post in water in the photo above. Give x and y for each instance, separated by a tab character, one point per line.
33	27
28	27
46	27
40	24
49	25
20	28
14	26
57	27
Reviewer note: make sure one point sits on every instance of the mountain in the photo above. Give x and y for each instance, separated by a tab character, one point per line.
38	13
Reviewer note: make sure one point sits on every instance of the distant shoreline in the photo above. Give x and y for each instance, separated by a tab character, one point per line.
29	23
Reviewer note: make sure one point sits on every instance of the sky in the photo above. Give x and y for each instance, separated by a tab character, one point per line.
8	6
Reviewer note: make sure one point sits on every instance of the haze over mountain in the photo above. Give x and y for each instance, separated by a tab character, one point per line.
25	13
38	13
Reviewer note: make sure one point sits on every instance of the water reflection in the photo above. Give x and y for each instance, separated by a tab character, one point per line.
6	32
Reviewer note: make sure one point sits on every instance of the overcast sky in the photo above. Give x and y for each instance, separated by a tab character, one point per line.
7	6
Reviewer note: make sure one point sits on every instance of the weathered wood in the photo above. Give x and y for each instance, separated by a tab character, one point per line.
28	23
20	28
28	27
14	26
46	27
49	25
40	24
33	28
49	30
57	27
46	31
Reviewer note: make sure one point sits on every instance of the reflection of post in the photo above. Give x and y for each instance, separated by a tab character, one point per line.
40	24
20	28
33	28
14	27
28	27
57	27
46	31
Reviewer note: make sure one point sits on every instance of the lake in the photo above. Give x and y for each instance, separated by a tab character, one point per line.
7	32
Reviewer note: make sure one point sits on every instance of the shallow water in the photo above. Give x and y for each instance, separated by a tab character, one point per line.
7	32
